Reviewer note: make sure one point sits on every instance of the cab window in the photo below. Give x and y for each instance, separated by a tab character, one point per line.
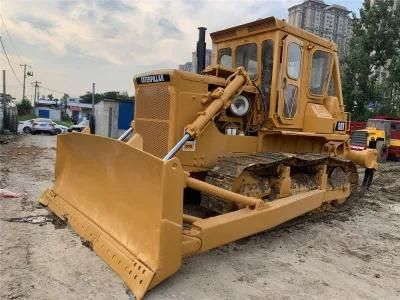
225	57
395	126
378	124
290	101
294	61
267	59
246	56
319	72
331	88
293	70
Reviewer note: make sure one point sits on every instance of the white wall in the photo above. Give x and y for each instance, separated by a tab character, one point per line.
102	117
54	114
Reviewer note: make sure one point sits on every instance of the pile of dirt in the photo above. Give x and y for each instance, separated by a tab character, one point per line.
7	138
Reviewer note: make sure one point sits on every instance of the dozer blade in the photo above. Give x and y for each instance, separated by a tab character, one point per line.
125	203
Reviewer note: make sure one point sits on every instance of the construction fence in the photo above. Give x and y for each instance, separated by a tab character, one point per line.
8	118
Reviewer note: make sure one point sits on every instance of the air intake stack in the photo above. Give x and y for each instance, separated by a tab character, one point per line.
201	50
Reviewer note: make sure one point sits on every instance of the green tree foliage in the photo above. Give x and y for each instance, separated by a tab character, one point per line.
24	107
87	98
371	73
65	97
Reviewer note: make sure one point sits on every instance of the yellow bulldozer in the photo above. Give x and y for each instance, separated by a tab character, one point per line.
258	138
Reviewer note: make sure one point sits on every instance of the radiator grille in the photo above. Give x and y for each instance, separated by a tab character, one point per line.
152	118
155	136
358	138
153	102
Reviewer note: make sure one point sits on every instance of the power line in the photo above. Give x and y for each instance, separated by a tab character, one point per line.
51	90
9	63
19	57
16	52
9	36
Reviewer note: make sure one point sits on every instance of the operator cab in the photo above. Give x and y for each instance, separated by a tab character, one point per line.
295	75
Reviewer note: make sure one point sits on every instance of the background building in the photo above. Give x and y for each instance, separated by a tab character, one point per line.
194	59
77	110
48	113
48	108
192	66
329	21
113	117
186	67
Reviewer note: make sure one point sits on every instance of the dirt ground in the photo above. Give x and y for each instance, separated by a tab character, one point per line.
352	252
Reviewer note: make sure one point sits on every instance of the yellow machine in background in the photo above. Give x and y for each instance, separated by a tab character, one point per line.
381	133
257	139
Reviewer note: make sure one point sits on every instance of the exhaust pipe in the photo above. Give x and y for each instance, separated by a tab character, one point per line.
201	50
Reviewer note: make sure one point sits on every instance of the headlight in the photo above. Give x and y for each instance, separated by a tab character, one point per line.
240	106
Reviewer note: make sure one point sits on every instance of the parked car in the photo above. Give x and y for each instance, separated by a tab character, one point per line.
60	128
79	127
43	125
25	126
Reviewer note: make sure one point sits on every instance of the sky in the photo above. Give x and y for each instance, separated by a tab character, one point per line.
70	44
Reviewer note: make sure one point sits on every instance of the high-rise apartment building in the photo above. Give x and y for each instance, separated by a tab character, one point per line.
329	21
186	67
194	59
192	66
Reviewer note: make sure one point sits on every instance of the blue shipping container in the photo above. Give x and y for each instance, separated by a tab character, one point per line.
125	115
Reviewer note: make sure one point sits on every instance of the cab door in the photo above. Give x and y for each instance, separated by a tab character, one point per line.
289	104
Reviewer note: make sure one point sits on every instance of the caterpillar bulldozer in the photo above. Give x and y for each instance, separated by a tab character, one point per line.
258	138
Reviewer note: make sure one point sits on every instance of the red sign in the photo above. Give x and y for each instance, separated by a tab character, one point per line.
75	108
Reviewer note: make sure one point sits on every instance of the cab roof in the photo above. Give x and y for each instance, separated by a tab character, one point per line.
269	24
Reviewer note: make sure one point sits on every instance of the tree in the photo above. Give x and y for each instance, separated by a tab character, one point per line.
50	96
64	102
64	98
87	98
371	69
24	107
116	95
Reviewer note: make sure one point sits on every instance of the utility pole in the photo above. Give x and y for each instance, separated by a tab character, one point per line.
25	75
93	90
36	91
92	120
